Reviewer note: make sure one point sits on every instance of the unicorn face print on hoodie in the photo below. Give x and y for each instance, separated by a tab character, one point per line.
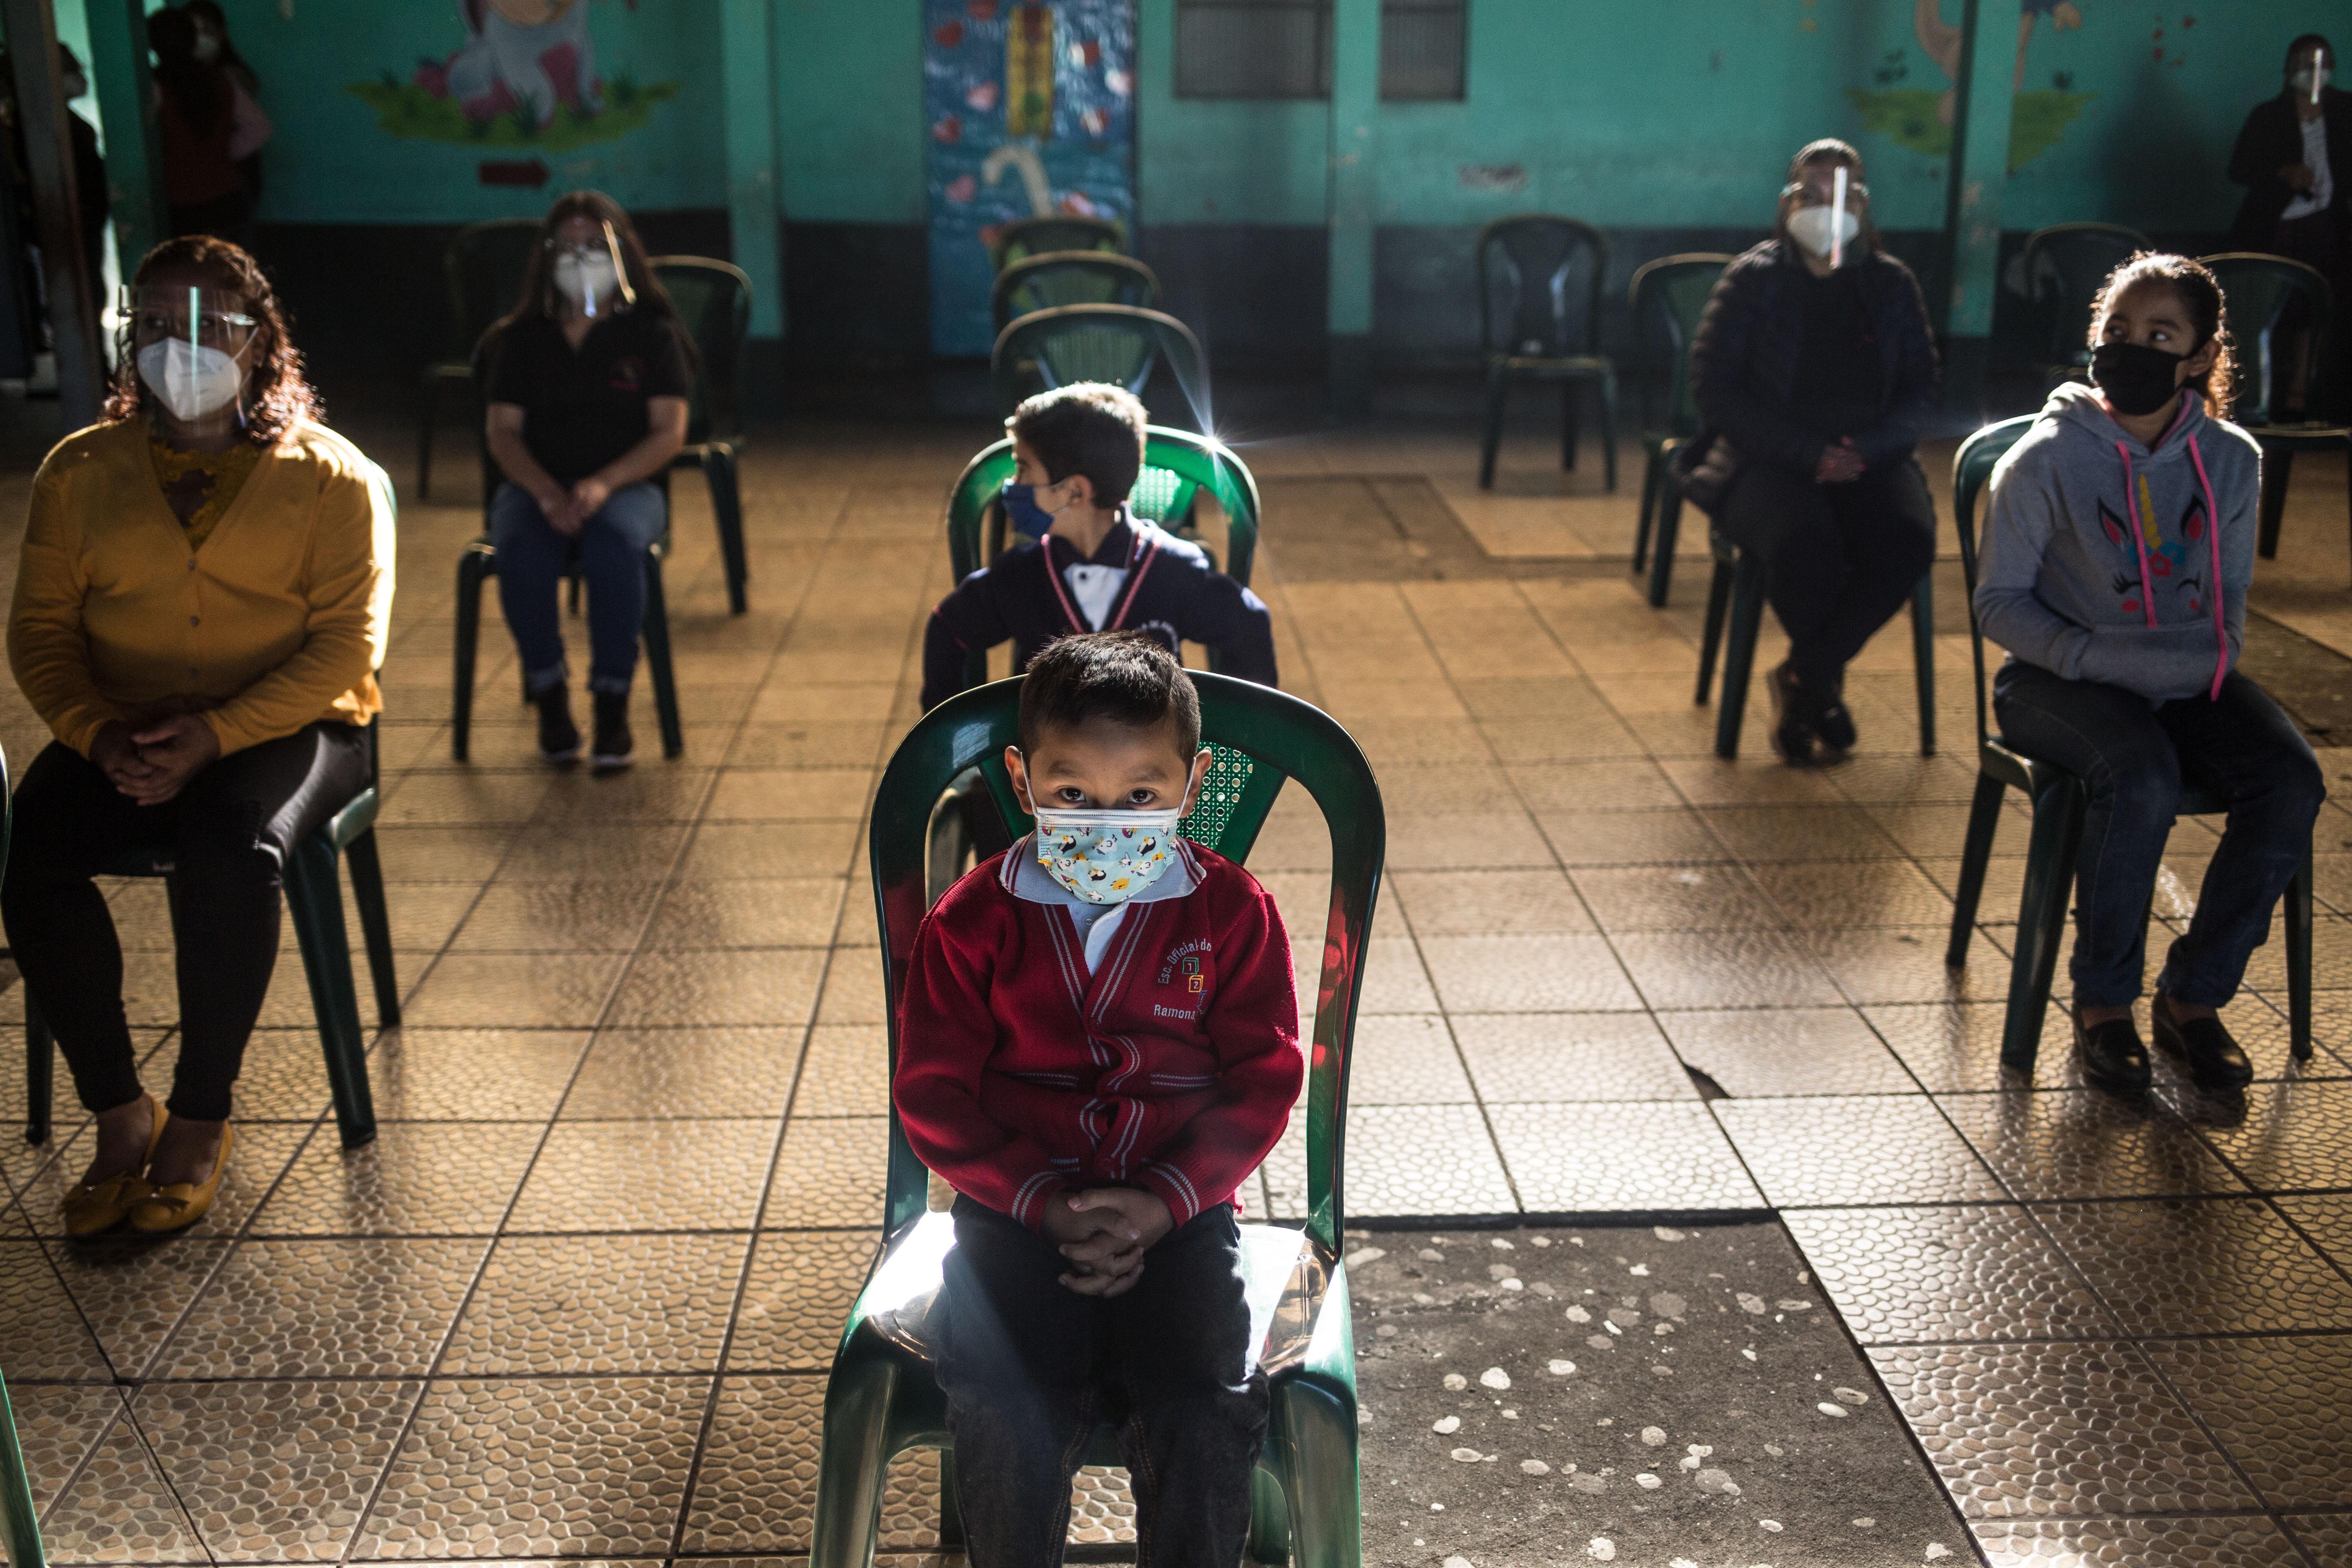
2106	560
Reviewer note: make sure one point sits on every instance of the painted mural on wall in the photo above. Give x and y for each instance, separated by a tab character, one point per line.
523	74
1920	117
1031	111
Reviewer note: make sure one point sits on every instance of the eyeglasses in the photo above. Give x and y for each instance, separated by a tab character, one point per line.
1817	197
212	318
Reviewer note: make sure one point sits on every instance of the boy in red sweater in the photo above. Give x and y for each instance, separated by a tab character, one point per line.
1099	1042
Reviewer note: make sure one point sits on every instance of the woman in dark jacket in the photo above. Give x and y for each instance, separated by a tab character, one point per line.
2294	158
1815	371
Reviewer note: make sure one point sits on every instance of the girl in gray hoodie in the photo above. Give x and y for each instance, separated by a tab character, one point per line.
2117	550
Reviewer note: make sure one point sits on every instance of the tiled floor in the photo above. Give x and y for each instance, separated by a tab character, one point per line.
577	1299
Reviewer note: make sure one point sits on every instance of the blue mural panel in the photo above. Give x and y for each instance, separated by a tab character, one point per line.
1030	106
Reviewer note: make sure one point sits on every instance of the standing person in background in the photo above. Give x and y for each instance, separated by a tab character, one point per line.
91	197
206	124
2294	158
214	47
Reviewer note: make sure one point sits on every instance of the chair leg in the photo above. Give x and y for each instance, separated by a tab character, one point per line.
656	634
853	1459
375	924
1923	658
1321	1481
1718	602
1608	431
1491	439
1976	854
951	1536
1569	390
20	1526
1739	656
1652	472
41	1074
314	898
2298	960
1670	532
2041	917
2278	466
727	507
474	565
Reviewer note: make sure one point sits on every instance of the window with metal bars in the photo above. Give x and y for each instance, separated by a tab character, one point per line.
1282	48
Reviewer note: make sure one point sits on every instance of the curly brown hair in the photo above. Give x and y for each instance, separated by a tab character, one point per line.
2193	283
278	397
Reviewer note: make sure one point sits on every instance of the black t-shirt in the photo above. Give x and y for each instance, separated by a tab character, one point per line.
1839	384
584	408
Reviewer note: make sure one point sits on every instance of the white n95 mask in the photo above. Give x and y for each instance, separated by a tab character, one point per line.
192	380
1818	229
1107	856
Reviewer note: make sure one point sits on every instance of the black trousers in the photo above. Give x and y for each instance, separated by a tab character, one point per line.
1030	1368
227	834
1840	559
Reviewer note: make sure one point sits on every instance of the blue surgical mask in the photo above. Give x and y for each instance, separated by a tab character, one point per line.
1021	510
1107	856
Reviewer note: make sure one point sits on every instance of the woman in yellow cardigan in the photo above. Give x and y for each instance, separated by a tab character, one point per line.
206	588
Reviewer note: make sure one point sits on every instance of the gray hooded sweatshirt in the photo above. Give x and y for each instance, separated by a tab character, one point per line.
2100	556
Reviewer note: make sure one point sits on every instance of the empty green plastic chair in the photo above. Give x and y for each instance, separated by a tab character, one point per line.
2261	291
1071	277
2064	267
1117	344
882	1396
1667	297
2059	802
714	305
484	268
1531	328
1028	237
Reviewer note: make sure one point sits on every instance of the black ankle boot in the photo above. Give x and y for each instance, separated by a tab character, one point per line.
2112	1058
559	737
1831	721
1792	732
613	742
2215	1060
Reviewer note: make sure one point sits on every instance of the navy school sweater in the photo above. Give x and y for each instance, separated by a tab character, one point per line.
1140	578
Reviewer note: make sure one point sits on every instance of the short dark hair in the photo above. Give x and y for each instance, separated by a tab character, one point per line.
2306	41
1088	427
1128	679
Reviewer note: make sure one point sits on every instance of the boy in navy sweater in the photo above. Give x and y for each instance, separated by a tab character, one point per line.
1086	563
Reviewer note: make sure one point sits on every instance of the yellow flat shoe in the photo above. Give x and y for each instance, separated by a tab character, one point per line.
161	1210
100	1206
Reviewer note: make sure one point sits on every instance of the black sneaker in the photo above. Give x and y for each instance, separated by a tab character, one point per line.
614	744
2112	1058
1793	736
2214	1057
559	737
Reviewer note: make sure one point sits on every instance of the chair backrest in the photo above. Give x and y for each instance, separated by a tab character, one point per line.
1973	464
2065	265
1071	277
1262	737
714	305
485	264
2259	291
1529	304
1118	343
1024	238
1666	297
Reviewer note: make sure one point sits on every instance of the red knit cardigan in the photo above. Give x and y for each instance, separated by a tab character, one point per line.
1172	1067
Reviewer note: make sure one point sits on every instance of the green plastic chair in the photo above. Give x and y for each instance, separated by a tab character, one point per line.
714	304
1117	344
1667	297
1028	237
882	1396
20	1528
2064	267
2059	802
1071	277
2261	289
1528	329
484	268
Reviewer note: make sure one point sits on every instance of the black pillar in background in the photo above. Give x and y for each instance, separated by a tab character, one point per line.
49	153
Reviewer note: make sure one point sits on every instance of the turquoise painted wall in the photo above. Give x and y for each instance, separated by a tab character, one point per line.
849	109
1216	160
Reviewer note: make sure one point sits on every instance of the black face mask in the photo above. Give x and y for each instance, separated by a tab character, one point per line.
2137	379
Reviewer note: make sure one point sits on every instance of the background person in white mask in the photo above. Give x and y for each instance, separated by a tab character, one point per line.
1815	371
205	587
2294	158
588	386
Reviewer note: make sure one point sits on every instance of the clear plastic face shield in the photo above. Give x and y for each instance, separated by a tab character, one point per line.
2310	73
194	350
1826	218
588	273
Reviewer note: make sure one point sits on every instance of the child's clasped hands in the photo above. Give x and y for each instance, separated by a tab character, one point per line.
1105	1232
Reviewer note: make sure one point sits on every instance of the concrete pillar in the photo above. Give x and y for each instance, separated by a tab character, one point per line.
1352	201
126	106
1984	97
73	311
747	69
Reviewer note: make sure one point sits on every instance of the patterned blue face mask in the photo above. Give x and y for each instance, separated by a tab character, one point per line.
1107	856
1021	510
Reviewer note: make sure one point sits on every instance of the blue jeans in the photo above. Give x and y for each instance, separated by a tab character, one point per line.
1029	1367
2136	759
612	550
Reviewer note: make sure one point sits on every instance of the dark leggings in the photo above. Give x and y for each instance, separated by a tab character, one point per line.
1840	559
226	834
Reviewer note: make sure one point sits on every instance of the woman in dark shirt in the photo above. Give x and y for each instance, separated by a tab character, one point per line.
1814	371
588	387
2294	155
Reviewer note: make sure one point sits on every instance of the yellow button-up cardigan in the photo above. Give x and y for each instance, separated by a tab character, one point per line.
275	621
